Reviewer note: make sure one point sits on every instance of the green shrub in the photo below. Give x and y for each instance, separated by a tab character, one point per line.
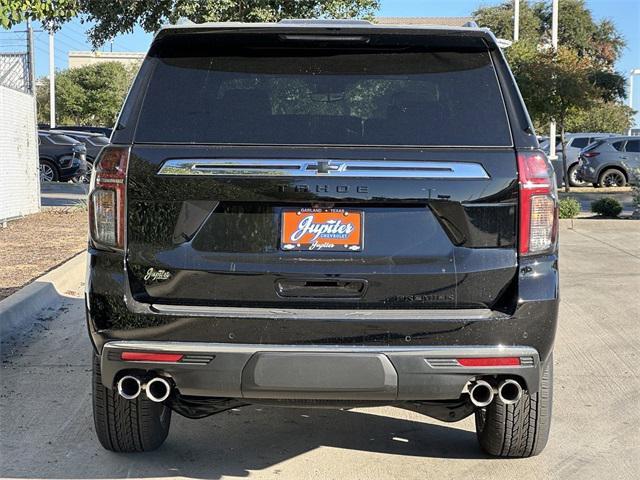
568	208
607	207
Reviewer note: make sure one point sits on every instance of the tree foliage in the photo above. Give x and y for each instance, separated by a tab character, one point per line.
90	95
598	41
13	12
610	117
113	17
589	49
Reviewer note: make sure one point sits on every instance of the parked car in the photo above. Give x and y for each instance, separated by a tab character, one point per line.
324	214
605	163
575	143
93	142
61	157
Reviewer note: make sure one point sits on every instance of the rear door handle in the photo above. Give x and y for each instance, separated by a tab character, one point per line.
321	288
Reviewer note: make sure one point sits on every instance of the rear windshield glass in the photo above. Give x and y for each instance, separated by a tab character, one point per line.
61	139
341	96
98	140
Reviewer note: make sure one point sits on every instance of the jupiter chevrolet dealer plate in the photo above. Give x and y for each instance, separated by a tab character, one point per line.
322	229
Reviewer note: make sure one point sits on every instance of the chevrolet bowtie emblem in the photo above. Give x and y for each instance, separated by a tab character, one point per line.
326	166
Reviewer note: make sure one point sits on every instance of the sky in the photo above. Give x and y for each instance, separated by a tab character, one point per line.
624	13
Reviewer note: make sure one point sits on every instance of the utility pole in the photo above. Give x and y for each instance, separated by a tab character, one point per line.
52	82
554	45
31	56
516	20
635	71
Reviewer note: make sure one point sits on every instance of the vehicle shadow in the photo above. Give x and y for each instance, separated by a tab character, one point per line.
254	438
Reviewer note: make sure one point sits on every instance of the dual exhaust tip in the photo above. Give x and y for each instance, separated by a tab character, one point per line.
157	389
482	392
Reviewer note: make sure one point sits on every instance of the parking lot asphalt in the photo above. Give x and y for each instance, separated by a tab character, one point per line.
46	428
59	194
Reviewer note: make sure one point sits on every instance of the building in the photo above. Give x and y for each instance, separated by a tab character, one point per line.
19	165
82	59
445	21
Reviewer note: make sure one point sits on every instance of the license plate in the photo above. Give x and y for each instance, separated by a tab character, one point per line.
331	229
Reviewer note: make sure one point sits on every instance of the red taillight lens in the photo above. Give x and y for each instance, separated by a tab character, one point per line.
151	357
107	197
590	154
490	362
538	206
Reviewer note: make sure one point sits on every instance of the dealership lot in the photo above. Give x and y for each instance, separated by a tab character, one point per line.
47	428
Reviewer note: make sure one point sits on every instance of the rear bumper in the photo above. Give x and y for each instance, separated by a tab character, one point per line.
587	173
327	372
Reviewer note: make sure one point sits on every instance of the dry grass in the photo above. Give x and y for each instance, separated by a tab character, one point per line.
31	246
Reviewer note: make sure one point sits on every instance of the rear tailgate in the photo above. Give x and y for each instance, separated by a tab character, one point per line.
391	159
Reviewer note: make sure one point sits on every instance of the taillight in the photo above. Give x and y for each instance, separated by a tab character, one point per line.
107	198
538	206
590	154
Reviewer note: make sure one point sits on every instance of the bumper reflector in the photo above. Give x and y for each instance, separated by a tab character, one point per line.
151	357
490	362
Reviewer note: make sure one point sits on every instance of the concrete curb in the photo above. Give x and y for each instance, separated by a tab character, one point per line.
20	311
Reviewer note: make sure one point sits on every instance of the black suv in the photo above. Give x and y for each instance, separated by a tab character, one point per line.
62	158
93	143
323	214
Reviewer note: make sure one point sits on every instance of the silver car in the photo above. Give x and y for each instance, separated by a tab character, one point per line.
575	143
608	162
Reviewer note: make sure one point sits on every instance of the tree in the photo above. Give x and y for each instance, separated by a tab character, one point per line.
586	90
500	20
600	42
90	95
566	78
13	12
113	17
601	117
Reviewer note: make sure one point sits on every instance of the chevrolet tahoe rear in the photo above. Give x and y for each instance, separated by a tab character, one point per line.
323	214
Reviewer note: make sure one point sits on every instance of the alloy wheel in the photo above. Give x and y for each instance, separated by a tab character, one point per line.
46	173
614	179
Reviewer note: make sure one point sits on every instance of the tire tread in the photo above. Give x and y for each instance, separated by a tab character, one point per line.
121	425
520	429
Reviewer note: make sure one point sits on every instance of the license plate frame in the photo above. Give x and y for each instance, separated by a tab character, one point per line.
330	229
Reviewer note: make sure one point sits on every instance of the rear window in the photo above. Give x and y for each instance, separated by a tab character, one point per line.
61	139
580	142
416	94
593	145
618	146
633	146
98	140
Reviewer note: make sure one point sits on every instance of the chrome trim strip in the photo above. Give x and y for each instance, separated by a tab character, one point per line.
429	351
323	168
322	314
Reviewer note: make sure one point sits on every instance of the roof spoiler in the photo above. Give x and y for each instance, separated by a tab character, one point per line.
322	22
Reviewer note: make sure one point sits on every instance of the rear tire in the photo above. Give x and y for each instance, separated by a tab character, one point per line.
612	177
573	179
138	425
521	429
48	171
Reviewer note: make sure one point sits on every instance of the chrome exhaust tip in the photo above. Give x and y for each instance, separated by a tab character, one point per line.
129	387
481	393
157	389
509	391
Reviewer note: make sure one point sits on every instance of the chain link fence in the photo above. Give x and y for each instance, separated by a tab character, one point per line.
14	71
15	68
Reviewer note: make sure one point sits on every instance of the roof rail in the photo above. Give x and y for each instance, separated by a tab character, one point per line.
329	21
470	24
